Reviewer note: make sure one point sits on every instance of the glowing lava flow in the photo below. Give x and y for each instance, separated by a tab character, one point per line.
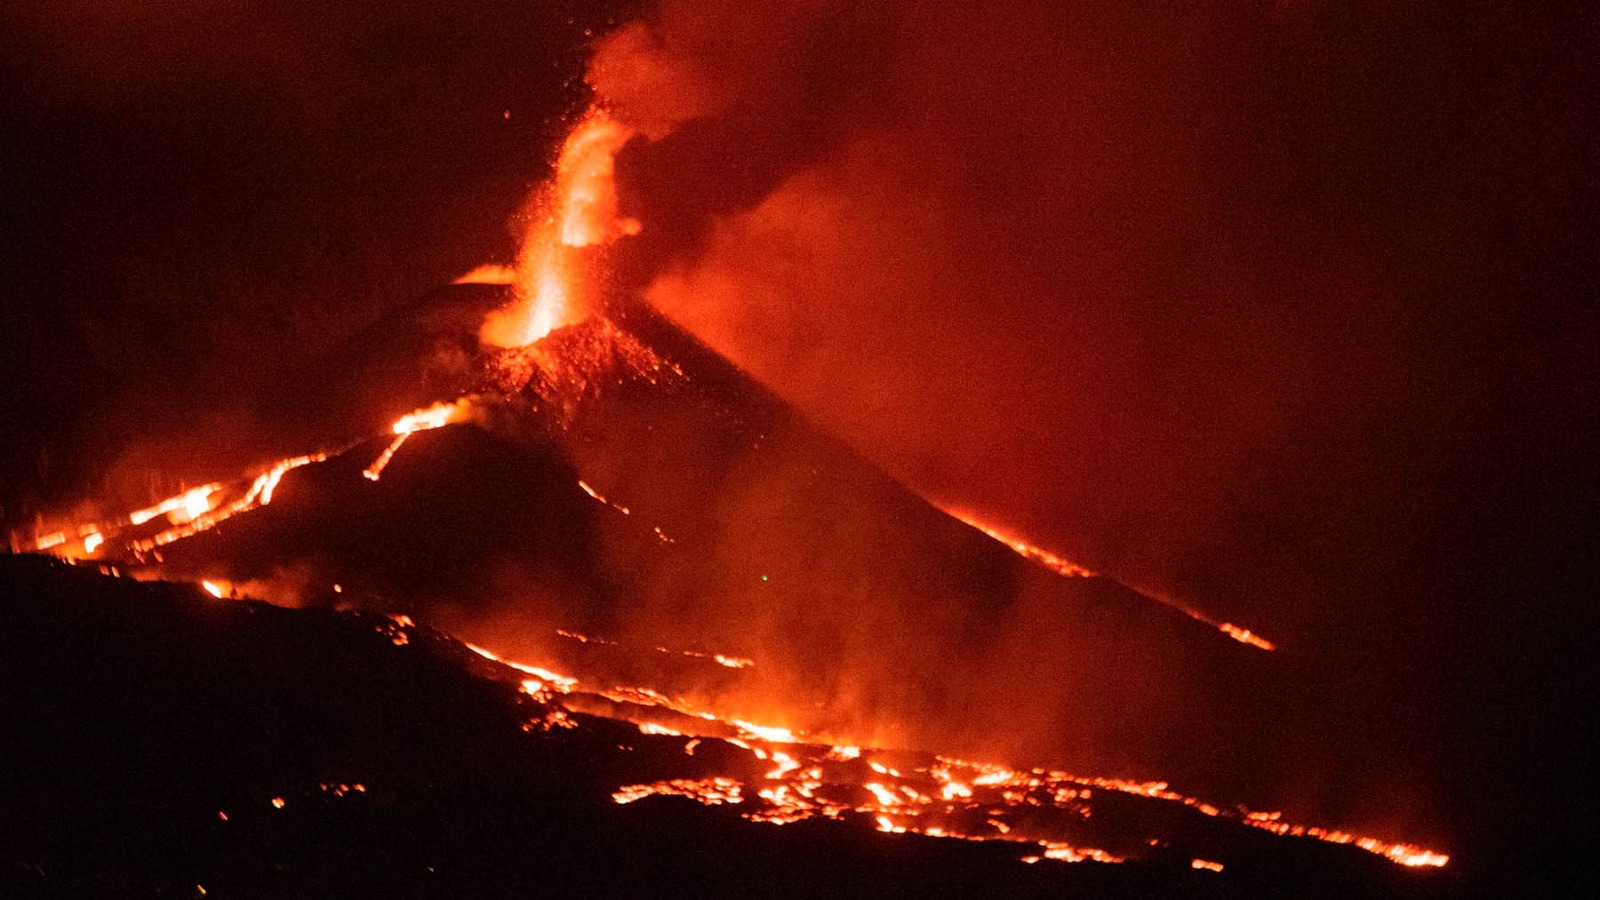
435	416
1026	550
258	494
578	210
782	777
1062	567
721	659
186	506
188	513
1242	635
596	495
777	776
202	508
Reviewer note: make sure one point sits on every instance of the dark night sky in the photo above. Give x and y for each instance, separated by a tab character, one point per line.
1284	309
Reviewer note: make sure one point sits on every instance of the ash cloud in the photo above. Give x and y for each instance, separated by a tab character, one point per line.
1281	309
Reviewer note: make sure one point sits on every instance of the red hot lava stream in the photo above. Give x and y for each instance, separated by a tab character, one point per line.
798	777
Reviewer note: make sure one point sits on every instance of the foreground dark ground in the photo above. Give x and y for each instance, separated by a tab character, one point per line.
150	728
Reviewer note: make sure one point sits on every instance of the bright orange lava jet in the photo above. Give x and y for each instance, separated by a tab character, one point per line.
579	210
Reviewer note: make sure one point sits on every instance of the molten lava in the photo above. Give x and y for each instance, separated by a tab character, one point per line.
188	513
579	209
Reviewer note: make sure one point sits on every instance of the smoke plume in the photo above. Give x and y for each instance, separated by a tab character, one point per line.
1278	308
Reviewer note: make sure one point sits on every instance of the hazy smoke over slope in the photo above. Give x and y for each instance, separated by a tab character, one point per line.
1279	307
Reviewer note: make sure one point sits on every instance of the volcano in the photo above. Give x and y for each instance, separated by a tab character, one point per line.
702	597
620	480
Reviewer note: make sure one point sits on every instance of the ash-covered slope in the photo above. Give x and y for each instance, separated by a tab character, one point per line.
162	743
621	481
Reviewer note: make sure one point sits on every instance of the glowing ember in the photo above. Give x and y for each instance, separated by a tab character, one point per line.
212	588
395	628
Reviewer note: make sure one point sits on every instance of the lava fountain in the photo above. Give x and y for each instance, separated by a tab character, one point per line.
577	209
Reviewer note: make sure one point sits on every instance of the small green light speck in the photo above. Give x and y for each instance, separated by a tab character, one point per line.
763	578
